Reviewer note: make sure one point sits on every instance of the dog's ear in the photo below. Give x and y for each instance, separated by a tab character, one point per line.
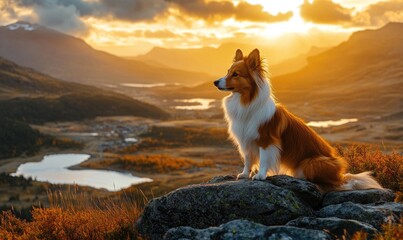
253	59
238	55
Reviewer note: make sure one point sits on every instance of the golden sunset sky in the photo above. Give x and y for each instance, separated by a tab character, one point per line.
132	27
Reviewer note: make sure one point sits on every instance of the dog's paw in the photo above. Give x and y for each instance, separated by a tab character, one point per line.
259	177
242	176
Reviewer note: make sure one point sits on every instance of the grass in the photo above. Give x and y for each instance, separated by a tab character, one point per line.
158	163
174	137
74	215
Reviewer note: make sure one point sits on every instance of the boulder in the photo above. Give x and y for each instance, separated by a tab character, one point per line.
373	214
212	204
336	227
305	190
361	196
243	229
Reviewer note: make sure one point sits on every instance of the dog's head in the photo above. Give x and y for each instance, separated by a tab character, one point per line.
244	75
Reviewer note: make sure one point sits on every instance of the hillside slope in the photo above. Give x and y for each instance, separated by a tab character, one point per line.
69	58
30	96
363	74
216	61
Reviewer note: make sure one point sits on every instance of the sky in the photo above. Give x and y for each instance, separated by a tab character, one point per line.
132	27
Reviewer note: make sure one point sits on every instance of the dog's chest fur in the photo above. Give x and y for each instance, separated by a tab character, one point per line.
244	121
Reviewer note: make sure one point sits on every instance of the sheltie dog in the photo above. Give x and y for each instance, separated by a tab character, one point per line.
268	136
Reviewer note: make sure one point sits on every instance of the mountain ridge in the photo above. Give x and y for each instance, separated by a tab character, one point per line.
70	58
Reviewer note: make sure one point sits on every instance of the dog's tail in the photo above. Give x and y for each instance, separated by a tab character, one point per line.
358	181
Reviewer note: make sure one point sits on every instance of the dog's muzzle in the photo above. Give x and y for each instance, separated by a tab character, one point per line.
220	84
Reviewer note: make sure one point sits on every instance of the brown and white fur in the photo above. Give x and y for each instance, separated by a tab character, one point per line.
267	135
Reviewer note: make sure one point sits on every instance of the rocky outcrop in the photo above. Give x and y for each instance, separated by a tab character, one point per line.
363	196
336	226
225	208
205	205
242	229
374	214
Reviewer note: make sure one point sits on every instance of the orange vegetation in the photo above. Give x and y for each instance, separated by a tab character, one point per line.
387	168
74	218
158	163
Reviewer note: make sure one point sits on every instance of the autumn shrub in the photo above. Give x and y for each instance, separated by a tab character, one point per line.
386	168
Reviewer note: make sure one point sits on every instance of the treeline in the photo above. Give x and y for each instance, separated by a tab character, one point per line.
18	138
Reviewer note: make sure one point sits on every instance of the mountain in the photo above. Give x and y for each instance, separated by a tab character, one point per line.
69	58
296	63
29	96
215	61
363	74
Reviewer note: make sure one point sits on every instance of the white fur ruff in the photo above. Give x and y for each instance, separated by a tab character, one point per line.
244	121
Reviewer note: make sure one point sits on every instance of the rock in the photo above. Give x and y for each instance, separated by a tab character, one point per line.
305	190
242	229
220	179
212	204
336	227
359	196
373	214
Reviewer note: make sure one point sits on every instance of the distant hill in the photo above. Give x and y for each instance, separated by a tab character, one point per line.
215	61
361	76
69	58
29	96
296	63
17	138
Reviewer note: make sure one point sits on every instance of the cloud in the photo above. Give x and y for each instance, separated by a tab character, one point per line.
159	34
66	15
246	11
380	13
325	12
60	17
214	10
132	10
69	15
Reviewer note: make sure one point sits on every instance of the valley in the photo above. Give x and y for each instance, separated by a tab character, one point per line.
190	148
167	124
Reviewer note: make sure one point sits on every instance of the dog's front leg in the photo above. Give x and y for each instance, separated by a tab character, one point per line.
250	161
246	168
269	160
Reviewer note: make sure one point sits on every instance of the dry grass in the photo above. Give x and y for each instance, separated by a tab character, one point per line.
386	168
389	232
75	216
158	163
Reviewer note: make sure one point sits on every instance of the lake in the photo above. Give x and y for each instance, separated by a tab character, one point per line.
148	85
54	169
201	103
331	123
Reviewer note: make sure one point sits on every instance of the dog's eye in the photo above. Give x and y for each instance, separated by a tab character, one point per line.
235	74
